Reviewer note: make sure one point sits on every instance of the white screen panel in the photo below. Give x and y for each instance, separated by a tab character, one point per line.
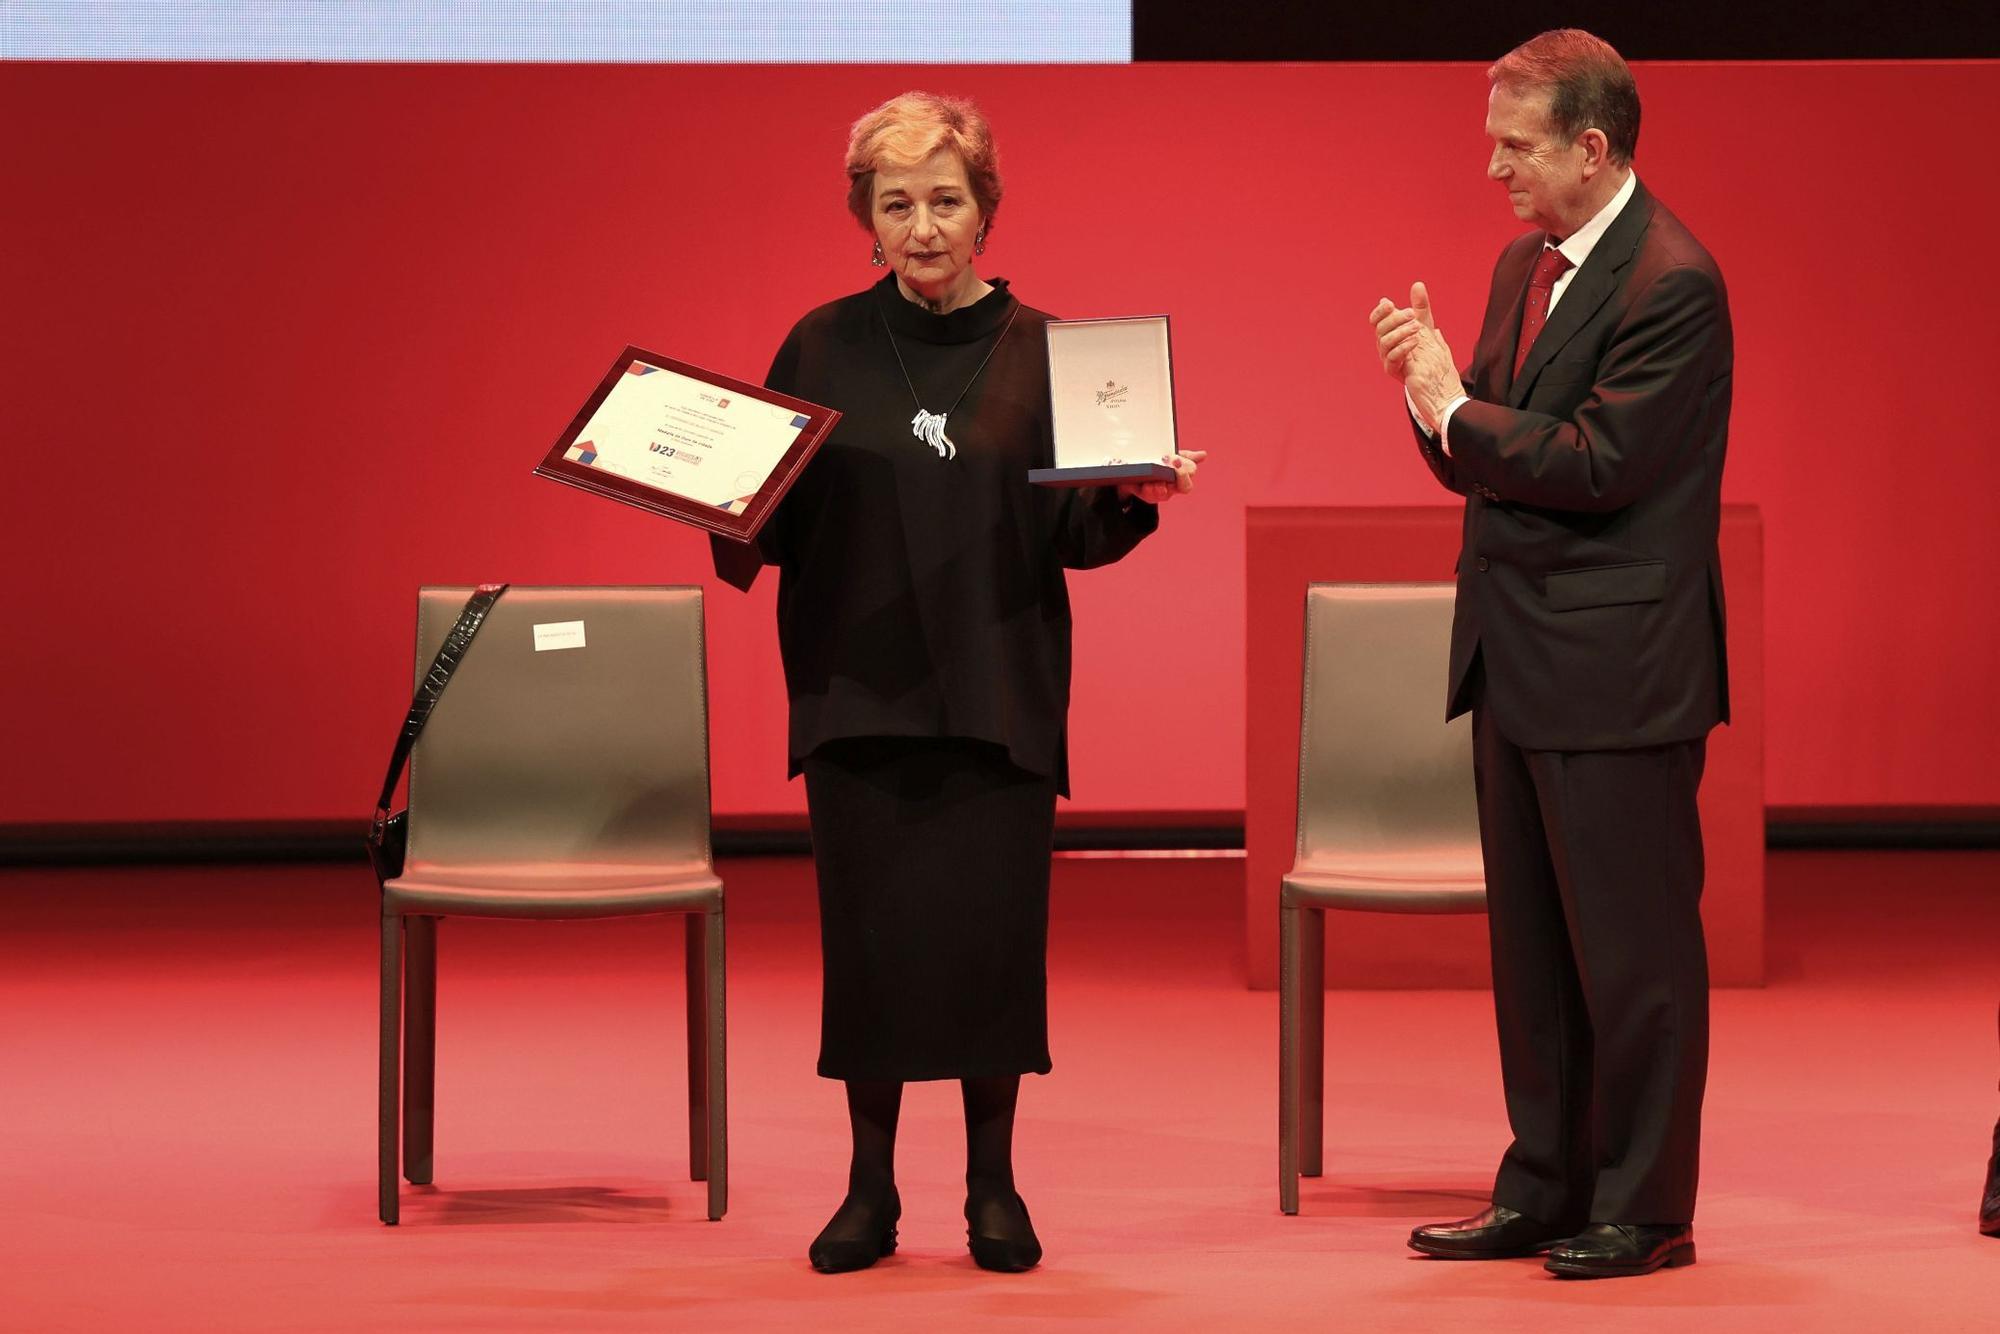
613	31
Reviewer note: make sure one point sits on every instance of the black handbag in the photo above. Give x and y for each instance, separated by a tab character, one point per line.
389	835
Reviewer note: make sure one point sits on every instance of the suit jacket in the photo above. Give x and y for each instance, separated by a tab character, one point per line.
1588	581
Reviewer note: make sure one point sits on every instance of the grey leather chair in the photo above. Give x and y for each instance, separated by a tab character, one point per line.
557	782
1386	816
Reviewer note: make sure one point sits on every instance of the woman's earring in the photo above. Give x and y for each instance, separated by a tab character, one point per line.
979	242
876	259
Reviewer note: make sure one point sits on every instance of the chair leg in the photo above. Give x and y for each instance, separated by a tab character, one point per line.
715	1010
419	1048
1288	1058
390	1071
1312	1040
697	1045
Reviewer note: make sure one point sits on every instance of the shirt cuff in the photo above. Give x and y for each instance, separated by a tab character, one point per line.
1411	404
1444	422
1443	434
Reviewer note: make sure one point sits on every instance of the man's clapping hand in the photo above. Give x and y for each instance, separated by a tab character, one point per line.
1412	350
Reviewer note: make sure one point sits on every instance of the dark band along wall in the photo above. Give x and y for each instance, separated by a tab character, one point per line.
1431	30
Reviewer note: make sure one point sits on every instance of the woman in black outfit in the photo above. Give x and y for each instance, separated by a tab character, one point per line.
925	630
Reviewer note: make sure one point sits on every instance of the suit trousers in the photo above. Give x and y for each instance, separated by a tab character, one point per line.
1600	975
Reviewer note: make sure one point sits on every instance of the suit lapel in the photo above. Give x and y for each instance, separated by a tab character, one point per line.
1586	294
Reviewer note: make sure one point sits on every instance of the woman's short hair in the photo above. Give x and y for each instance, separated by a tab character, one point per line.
904	131
1589	86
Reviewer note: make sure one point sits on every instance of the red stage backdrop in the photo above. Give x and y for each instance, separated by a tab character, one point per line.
282	343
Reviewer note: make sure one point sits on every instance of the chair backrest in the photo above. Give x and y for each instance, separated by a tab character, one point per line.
574	731
1380	771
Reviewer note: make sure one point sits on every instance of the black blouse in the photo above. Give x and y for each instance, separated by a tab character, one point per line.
920	595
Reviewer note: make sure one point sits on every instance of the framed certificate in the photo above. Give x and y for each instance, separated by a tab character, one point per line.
1111	396
688	443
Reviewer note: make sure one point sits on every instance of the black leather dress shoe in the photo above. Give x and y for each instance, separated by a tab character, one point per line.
999	1235
1495	1233
860	1232
1989	1205
1622	1250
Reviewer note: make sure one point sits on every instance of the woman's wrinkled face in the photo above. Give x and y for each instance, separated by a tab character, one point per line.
927	221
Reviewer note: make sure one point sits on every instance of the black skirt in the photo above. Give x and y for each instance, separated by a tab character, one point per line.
933	863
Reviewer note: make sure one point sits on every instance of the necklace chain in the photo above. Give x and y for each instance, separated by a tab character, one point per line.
929	427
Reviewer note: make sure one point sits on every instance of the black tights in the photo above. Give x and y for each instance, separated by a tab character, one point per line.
873	1107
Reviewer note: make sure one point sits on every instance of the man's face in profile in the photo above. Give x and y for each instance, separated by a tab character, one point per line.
1543	176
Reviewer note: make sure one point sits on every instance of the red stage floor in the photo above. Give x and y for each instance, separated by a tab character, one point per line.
189	1123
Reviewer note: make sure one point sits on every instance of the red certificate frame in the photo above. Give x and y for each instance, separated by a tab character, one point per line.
568	459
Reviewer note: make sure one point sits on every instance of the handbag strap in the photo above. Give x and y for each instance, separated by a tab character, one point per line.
449	655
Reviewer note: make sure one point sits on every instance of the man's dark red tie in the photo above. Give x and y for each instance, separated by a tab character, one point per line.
1551	266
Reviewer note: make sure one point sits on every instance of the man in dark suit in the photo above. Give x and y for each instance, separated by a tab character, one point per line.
1588	441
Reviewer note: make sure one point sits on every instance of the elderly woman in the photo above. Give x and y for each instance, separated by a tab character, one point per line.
925	629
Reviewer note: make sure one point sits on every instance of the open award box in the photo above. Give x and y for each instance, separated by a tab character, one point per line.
1111	398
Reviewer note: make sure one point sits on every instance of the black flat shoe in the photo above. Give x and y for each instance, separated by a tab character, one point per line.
1622	1250
861	1231
999	1234
1495	1233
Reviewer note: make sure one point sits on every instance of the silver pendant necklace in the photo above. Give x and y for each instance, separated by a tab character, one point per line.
927	426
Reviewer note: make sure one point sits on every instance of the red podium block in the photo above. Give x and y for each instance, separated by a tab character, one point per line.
1288	548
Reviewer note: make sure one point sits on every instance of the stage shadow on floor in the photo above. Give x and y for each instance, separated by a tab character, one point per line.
1402	1198
533	1204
